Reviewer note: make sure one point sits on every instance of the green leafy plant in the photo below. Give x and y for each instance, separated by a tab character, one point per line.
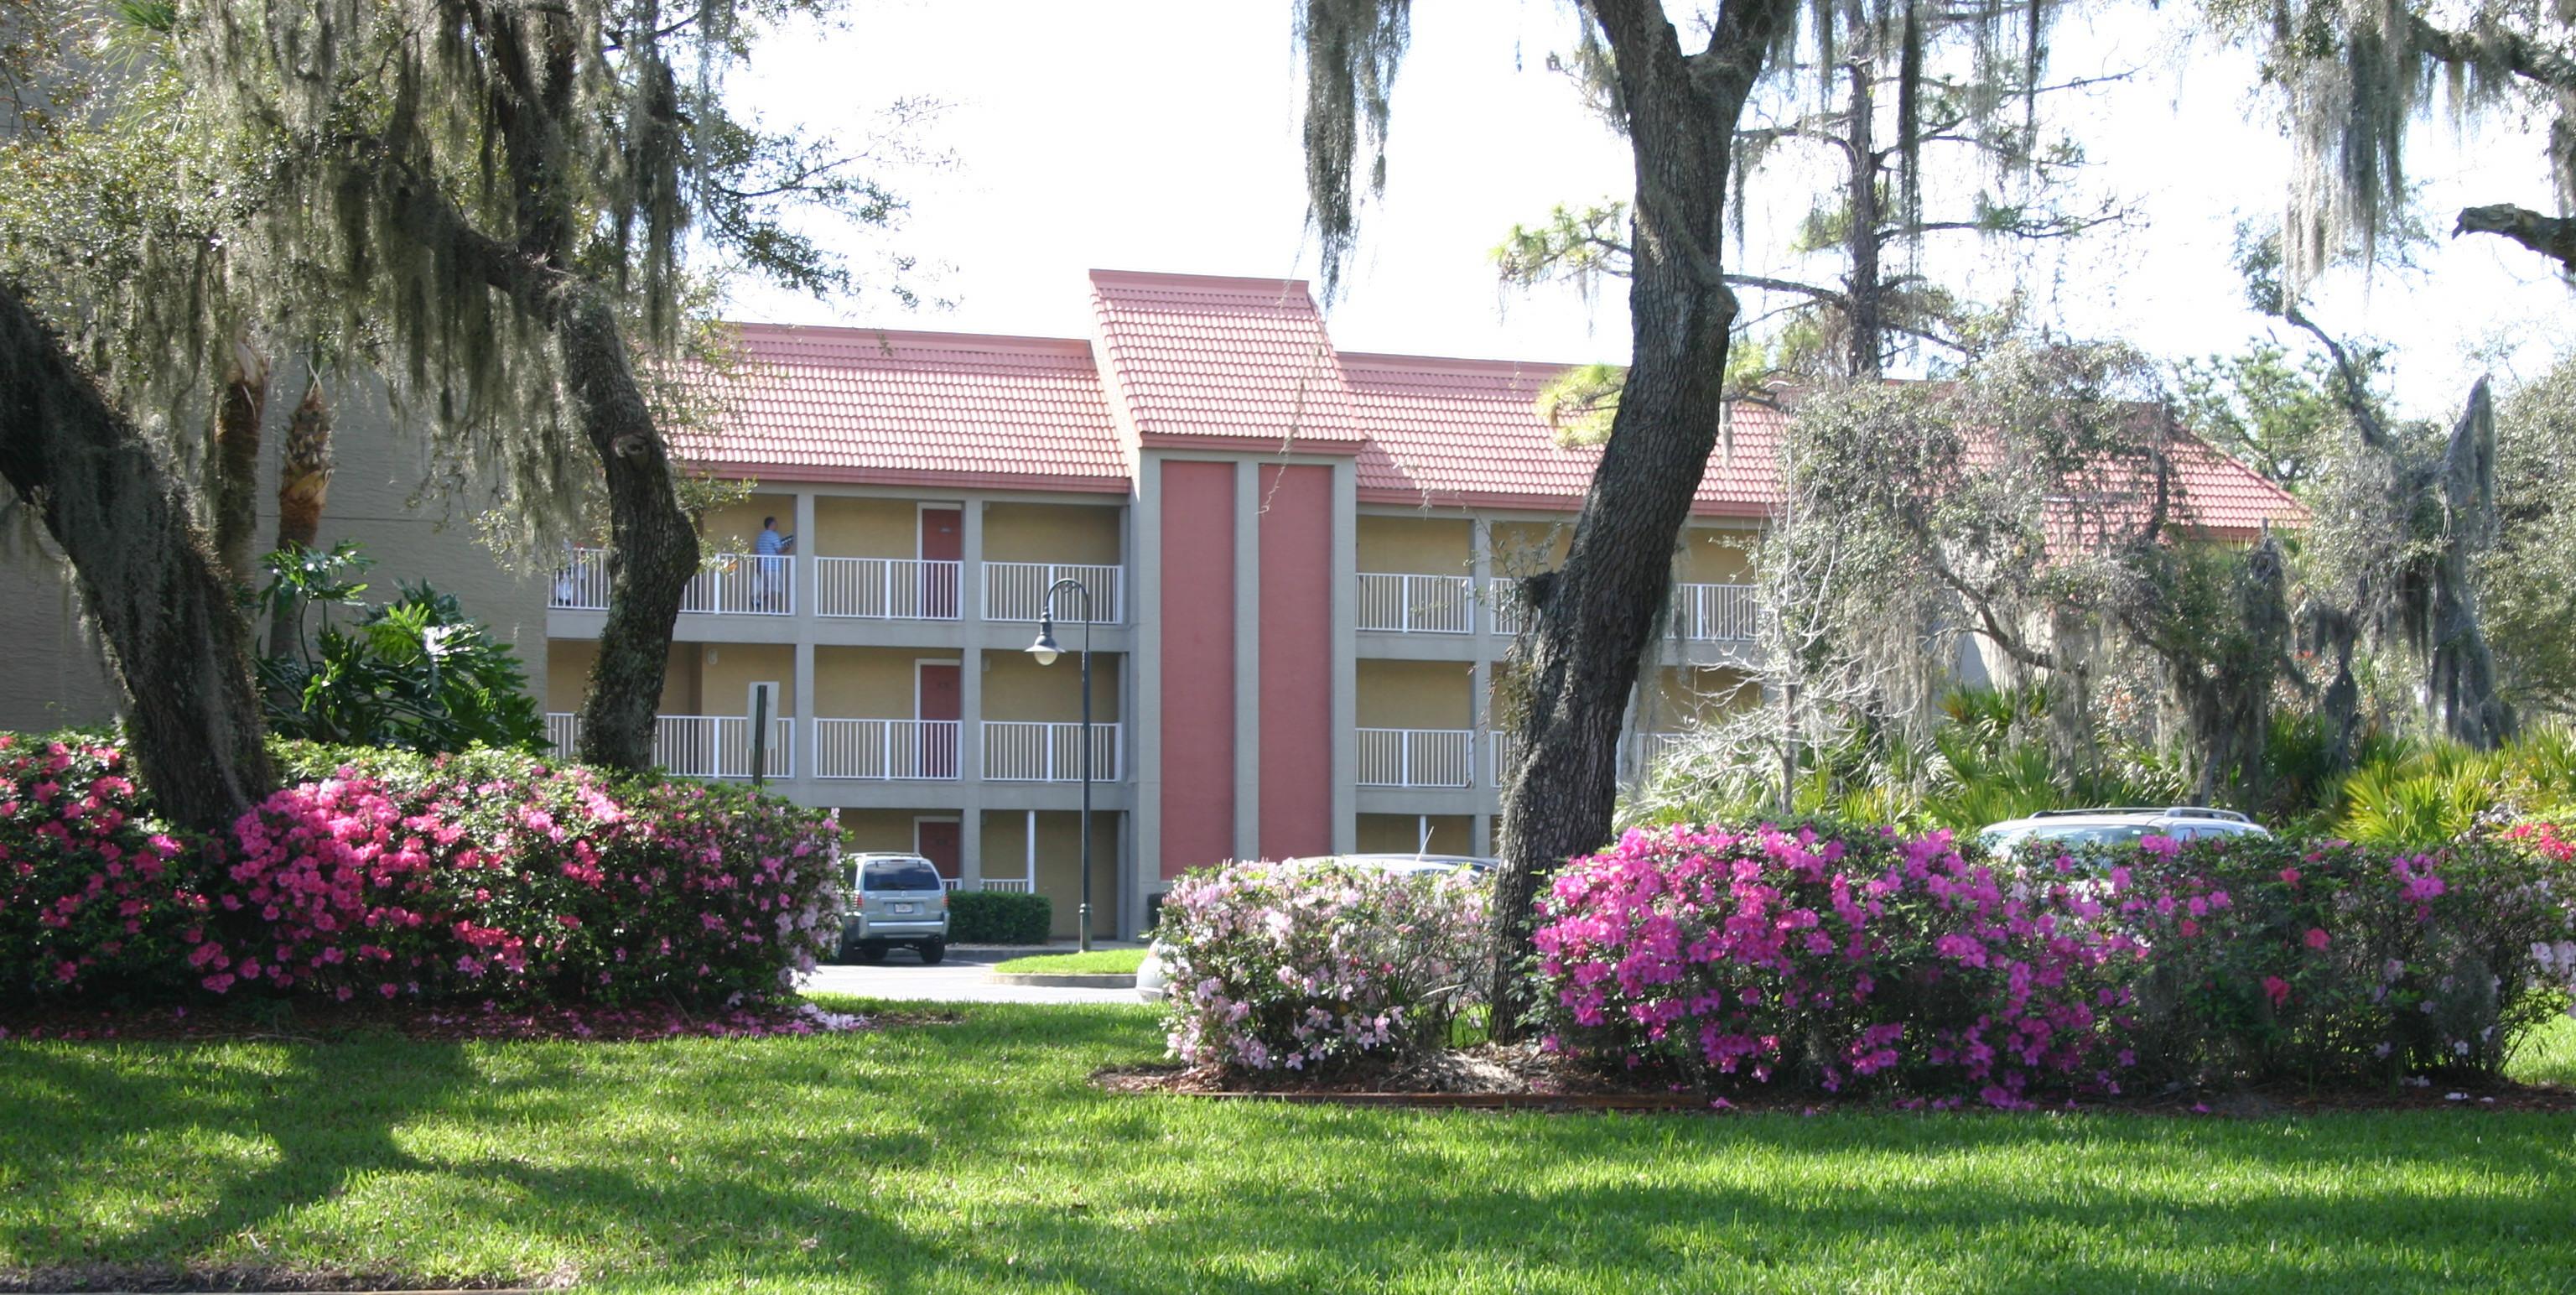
415	673
999	917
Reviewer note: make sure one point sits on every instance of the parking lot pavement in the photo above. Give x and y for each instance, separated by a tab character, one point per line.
960	979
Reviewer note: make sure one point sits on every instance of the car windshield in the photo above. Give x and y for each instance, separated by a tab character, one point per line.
898	874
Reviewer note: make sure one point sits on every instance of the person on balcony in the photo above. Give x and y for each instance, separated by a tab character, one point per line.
769	592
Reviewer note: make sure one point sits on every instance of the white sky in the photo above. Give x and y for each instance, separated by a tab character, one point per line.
1162	135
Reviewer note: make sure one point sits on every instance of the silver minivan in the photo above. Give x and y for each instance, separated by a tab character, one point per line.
895	899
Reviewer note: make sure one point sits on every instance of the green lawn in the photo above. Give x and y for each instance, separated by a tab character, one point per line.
1099	962
974	1156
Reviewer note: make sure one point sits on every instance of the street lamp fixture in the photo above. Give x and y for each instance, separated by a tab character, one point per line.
1046	652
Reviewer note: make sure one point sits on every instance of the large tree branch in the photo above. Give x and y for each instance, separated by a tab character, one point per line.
2493	44
2551	236
2355	396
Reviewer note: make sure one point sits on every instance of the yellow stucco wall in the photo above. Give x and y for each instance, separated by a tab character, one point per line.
1432	546
1713	555
867	683
1521	548
1059	863
1017	687
864	528
740	523
567	676
863	830
1399	834
1051	533
726	672
1686	696
1414	694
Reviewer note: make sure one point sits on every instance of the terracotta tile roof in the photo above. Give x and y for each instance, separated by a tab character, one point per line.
1238	363
1467	433
879	406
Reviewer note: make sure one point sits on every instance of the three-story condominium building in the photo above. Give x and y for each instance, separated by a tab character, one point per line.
1294	564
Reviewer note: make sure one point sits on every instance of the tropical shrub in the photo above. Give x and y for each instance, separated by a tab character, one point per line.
999	917
1303	964
1834	958
94	892
485	877
416	673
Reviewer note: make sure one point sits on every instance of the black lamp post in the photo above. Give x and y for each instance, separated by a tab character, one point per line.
1046	652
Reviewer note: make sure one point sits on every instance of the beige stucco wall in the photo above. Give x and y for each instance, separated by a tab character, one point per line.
1400	834
1712	555
1051	533
1415	694
1059	863
55	676
868	683
1523	548
1431	546
864	528
1017	687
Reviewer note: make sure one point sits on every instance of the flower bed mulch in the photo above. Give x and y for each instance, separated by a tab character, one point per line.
316	1023
1526	1078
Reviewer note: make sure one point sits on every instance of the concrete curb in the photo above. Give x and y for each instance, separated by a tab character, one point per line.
1062	979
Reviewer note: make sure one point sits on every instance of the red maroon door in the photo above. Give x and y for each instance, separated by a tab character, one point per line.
936	839
936	691
943	539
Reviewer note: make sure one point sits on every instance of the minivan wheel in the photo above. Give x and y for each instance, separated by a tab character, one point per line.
933	950
871	952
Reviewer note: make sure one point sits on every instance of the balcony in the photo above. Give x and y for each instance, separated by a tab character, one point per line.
1040	751
1715	613
1416	604
1016	591
1417	757
698	746
886	588
885	749
730	583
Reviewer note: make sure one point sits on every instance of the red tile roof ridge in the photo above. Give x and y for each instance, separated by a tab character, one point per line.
960	341
1236	283
1389	361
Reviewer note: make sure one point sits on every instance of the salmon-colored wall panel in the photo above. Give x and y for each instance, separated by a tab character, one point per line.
1296	661
1198	665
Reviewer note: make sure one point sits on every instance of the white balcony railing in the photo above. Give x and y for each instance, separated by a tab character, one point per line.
1034	751
1503	606
1498	747
886	588
1715	613
885	748
742	584
1007	886
1016	591
1411	604
698	746
1417	757
581	583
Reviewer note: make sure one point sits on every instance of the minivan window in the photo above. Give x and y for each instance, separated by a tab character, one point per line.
898	874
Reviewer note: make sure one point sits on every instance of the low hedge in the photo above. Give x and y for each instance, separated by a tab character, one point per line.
999	917
488	876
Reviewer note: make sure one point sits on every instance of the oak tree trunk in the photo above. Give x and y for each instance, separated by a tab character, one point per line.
147	574
1598	614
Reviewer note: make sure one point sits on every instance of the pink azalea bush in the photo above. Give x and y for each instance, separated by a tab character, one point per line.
1865	956
488	877
1302	964
94	892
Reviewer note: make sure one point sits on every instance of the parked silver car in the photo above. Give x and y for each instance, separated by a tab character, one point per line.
895	899
2117	825
1152	985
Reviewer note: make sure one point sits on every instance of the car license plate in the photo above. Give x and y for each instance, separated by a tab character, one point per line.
907	908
